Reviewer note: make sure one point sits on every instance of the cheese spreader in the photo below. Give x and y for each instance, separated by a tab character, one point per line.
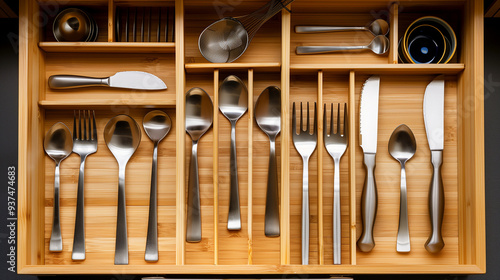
127	79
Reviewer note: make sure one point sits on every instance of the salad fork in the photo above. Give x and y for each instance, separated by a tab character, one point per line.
336	144
84	144
305	144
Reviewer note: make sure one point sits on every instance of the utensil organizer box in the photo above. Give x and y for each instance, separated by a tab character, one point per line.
269	60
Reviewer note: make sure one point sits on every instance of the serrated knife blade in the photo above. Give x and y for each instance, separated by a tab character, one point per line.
368	117
368	122
127	79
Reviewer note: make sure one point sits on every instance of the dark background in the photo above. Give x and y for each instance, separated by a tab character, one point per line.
8	155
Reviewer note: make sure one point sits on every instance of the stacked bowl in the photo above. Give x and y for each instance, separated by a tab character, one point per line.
427	40
74	25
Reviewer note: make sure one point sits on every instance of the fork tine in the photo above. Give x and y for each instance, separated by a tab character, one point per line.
325	128
94	130
346	127
74	126
331	119
79	125
89	126
301	127
294	122
84	126
338	119
307	129
315	120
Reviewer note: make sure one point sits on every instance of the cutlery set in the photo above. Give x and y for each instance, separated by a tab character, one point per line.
122	135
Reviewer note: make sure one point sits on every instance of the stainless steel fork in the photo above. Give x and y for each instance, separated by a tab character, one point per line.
84	144
305	143
336	144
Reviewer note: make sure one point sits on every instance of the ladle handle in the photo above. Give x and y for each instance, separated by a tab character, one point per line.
234	216
193	225
72	81
151	254
436	204
320	29
272	218
366	241
55	237
326	49
121	245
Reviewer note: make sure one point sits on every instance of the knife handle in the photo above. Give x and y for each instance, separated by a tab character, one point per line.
72	81
436	204
368	205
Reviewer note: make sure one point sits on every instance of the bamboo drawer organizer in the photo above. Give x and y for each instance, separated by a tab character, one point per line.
270	60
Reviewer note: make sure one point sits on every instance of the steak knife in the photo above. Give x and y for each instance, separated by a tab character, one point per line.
434	128
368	127
126	79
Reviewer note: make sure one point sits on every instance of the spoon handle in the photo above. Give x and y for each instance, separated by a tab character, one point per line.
319	29
55	237
366	241
151	254
234	216
79	237
326	49
272	218
436	204
193	227
403	241
121	246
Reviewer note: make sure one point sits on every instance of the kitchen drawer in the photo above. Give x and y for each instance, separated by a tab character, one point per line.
269	60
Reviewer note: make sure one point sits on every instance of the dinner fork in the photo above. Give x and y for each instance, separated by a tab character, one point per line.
305	144
336	144
84	144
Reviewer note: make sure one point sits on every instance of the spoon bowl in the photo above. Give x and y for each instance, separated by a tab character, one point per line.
379	45
199	118
378	27
233	103
268	118
157	125
122	135
58	145
402	147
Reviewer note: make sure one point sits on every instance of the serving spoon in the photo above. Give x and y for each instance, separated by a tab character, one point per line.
58	144
402	147
122	135
268	118
379	45
199	118
157	125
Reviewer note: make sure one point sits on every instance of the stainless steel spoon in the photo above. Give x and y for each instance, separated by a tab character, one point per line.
379	45
376	27
199	118
233	103
122	135
268	118
402	147
58	145
157	125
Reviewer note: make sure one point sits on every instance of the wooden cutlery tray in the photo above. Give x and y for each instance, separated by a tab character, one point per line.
270	60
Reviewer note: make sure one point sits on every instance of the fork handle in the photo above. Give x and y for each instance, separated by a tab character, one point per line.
79	237
305	211
337	244
366	241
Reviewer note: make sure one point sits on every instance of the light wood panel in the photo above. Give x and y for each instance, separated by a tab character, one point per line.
107	47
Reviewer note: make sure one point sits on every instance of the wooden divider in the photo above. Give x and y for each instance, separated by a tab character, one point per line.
250	166
319	167
353	135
